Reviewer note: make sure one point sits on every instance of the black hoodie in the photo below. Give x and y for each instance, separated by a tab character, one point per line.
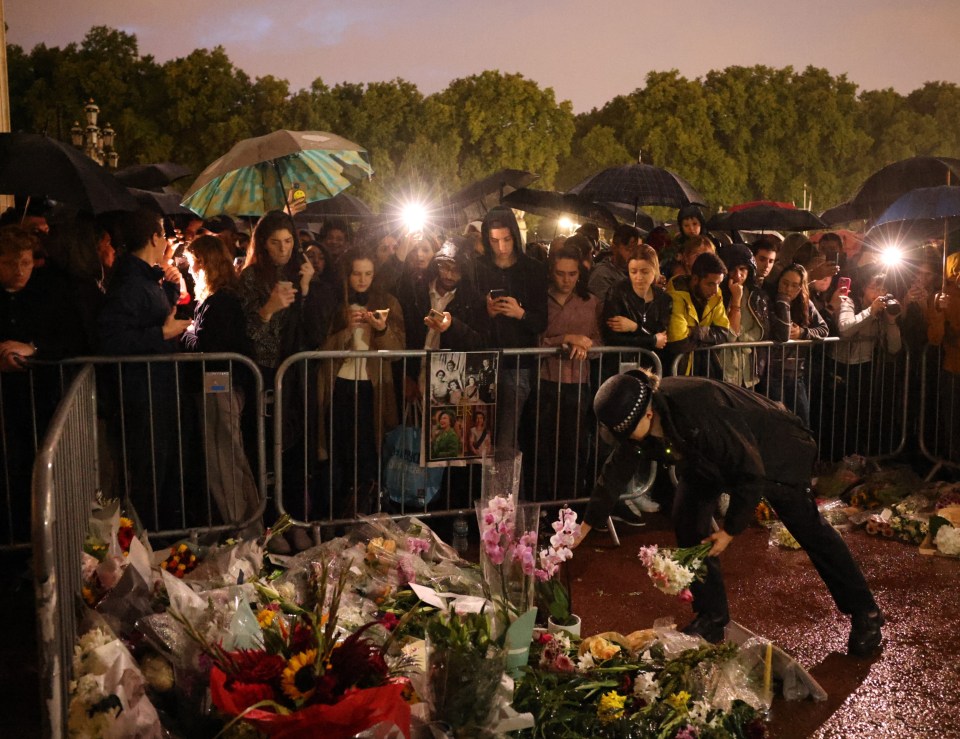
525	280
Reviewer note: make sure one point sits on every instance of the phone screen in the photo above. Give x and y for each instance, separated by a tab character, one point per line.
844	286
498	293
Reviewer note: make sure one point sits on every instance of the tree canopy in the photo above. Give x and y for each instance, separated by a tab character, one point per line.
737	134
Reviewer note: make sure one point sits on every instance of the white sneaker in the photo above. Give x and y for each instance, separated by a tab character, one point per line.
645	503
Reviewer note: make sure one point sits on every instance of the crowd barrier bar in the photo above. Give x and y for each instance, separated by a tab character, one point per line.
65	482
939	417
837	393
457	496
196	514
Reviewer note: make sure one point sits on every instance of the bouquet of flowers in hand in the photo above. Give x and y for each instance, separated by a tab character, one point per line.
673	570
550	590
304	680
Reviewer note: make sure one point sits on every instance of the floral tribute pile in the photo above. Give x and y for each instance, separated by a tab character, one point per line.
651	683
369	635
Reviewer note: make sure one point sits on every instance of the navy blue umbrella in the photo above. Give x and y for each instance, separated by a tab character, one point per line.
924	204
927	211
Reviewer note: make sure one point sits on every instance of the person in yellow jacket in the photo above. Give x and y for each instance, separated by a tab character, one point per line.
699	318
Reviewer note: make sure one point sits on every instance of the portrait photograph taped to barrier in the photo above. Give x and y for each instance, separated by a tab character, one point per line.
461	405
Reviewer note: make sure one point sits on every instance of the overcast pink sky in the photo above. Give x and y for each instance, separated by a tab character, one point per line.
587	52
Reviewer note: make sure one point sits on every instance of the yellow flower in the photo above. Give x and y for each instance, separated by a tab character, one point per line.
611	707
87	595
298	680
265	617
679	701
599	647
126	523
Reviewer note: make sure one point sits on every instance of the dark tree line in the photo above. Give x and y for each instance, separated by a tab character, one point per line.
737	134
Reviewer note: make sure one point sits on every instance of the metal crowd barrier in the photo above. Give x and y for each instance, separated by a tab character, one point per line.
28	401
939	412
852	408
562	455
65	482
156	417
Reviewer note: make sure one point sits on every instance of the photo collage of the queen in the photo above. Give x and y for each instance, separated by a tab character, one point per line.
462	405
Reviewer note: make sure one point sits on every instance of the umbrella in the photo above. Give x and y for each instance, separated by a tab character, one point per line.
755	203
554	204
884	186
35	165
253	177
165	203
478	197
339	206
842	213
630	214
765	217
151	176
639	184
924	212
932	204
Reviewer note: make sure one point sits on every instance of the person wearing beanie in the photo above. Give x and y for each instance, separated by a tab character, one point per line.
723	438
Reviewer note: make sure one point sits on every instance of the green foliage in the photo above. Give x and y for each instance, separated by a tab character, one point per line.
506	120
736	134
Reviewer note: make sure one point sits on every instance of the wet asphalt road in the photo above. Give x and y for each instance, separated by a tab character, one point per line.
911	689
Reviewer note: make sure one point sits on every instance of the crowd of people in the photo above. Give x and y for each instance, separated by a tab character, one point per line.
142	284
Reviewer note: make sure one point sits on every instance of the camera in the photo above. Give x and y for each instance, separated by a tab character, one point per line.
892	304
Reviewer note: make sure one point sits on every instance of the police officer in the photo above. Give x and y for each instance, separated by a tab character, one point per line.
724	438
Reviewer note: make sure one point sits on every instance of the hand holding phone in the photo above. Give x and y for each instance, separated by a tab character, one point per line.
843	286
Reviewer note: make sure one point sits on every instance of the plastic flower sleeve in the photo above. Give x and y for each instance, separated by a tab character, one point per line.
228	565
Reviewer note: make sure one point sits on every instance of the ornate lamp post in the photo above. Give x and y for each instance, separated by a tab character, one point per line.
95	142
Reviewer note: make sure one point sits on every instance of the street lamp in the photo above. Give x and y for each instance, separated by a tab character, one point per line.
95	142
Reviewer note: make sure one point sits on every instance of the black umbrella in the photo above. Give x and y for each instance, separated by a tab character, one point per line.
883	187
842	213
639	184
554	204
766	218
165	203
478	197
35	165
151	176
343	205
631	214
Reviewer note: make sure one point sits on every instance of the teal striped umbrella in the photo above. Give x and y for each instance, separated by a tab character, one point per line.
255	175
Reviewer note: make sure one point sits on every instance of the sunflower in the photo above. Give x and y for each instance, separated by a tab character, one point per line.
298	680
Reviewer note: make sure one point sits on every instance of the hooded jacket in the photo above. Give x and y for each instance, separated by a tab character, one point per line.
689	329
745	366
525	280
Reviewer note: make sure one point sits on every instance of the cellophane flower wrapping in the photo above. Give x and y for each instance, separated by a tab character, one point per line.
107	694
465	665
352	714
